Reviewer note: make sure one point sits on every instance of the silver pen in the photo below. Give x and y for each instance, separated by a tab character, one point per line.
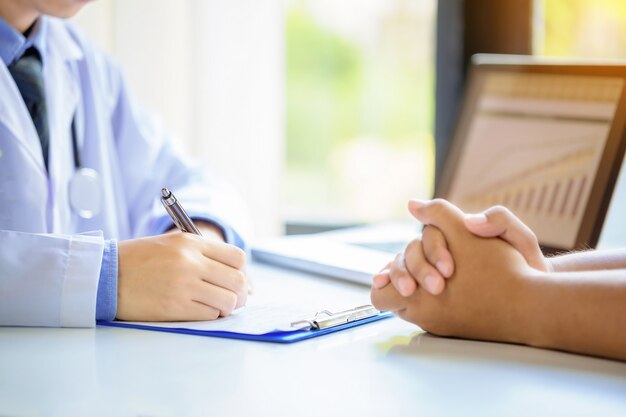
177	213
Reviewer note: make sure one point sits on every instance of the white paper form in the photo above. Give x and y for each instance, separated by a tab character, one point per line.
261	315
251	319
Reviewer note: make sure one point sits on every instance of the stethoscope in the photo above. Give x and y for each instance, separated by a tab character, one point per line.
85	186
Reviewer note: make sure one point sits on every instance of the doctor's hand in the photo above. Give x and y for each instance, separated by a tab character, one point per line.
179	277
486	296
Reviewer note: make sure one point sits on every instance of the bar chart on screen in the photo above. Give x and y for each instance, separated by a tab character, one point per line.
534	146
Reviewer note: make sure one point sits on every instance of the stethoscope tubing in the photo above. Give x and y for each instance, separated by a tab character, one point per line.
84	187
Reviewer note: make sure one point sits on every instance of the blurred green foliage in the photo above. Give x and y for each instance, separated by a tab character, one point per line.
324	75
346	92
338	92
585	28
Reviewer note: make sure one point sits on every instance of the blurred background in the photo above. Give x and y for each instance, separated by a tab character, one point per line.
321	112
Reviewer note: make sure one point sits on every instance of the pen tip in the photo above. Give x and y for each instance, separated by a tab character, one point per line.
165	192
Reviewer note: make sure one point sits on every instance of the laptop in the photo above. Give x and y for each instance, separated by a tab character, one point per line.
544	138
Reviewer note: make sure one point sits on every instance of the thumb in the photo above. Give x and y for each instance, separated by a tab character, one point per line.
483	226
440	213
499	222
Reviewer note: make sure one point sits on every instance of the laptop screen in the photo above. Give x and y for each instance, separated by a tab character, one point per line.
534	138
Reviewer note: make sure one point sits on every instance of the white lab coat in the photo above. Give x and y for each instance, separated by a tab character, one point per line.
49	267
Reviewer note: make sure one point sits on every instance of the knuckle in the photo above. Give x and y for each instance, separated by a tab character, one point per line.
182	237
230	303
427	231
413	247
213	314
239	281
414	254
395	275
179	257
194	241
242	299
182	243
432	235
420	272
240	257
438	203
528	241
437	234
237	256
437	206
499	211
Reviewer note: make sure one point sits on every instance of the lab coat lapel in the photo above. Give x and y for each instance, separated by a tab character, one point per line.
15	117
62	81
63	94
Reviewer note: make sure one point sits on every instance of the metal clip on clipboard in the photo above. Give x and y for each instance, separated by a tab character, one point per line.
326	319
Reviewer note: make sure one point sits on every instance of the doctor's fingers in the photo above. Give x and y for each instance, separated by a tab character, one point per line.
436	251
418	267
180	304
197	311
222	252
215	297
226	277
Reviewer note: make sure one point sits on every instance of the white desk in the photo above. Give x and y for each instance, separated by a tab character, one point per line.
386	368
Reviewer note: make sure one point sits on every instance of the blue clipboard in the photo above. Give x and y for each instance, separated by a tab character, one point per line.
323	323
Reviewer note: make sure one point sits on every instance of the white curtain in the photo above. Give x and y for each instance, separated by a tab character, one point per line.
213	70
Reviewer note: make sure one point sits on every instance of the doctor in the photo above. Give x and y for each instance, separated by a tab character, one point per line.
82	232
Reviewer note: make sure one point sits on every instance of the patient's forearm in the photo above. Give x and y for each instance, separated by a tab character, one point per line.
595	260
582	312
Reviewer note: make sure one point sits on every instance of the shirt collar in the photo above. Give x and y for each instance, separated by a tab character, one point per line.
13	44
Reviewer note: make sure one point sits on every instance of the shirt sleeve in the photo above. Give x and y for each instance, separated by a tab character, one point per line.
49	279
106	301
203	194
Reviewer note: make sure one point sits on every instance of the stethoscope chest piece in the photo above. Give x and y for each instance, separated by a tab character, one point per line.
85	193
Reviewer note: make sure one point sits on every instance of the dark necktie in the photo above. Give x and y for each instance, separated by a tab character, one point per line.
28	75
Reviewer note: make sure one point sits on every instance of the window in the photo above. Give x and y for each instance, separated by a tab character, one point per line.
584	28
590	29
360	102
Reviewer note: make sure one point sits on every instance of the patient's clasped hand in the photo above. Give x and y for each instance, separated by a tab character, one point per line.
483	276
